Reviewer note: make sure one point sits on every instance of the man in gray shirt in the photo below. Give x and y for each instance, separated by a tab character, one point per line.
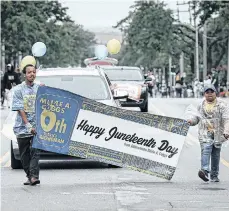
24	103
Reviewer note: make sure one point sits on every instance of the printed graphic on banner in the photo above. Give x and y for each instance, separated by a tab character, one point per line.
140	141
134	139
56	116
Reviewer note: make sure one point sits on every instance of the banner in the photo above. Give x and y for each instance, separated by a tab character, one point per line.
73	125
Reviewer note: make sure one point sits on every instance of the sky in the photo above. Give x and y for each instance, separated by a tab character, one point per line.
96	14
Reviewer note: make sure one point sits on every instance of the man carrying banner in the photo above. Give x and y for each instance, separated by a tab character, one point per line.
213	120
24	103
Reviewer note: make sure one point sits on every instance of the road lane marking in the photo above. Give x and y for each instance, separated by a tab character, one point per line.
4	156
98	193
194	139
7	164
224	162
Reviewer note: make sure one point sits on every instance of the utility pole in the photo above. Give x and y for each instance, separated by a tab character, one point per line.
182	53
228	65
3	65
205	51
197	48
170	71
182	63
196	35
197	52
19	57
190	12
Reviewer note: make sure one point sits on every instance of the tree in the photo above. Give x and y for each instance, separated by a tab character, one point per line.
68	45
27	22
218	28
147	31
151	35
218	32
24	22
208	8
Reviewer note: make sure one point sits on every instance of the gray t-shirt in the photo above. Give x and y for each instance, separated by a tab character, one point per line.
24	98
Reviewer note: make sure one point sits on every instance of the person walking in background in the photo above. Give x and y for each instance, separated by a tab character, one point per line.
201	89
215	80
151	84
213	120
196	90
178	85
208	79
189	91
2	89
164	89
146	74
24	128
20	75
10	79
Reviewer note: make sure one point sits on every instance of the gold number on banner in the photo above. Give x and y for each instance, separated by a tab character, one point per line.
59	125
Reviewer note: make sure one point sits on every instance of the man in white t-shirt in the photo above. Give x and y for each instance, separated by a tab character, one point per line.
208	79
151	83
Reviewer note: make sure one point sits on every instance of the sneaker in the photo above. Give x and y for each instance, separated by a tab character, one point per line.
203	175
27	182
215	179
34	181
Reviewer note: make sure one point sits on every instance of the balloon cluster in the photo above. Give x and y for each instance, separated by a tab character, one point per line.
113	47
101	52
38	50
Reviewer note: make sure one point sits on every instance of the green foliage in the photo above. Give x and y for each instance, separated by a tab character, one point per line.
218	33
26	22
151	35
147	32
208	8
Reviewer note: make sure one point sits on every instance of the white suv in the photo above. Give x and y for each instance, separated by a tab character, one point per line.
88	82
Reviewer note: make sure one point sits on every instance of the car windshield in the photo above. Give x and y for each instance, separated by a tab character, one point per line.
92	87
124	75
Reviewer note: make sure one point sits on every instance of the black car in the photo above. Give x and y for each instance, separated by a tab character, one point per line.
131	78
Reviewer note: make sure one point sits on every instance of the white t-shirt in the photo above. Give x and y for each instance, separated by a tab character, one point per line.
207	81
153	80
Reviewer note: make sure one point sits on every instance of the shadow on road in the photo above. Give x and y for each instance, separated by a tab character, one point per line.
46	165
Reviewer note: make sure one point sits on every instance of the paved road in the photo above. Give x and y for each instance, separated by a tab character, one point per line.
92	186
5	144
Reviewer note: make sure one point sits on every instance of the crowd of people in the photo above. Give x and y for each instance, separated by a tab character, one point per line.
182	89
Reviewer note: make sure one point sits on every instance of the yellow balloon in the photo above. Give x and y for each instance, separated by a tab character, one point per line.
27	60
113	46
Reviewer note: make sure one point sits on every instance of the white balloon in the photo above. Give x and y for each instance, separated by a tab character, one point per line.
39	49
101	51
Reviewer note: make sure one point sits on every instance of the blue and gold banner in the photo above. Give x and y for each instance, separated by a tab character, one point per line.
73	125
